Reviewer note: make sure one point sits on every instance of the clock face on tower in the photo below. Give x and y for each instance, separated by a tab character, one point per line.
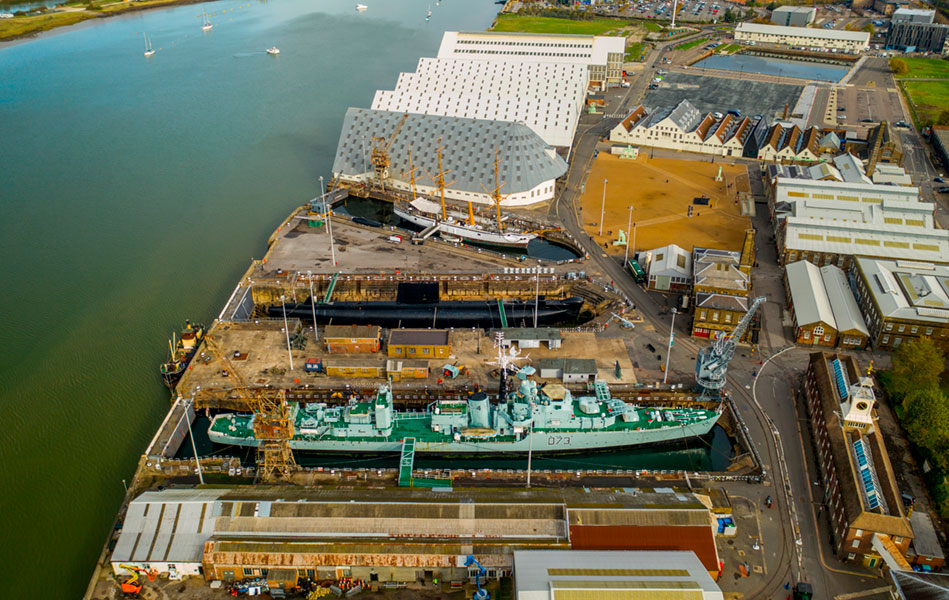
861	406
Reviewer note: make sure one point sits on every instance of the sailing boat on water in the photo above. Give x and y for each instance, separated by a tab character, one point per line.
207	22
148	45
429	15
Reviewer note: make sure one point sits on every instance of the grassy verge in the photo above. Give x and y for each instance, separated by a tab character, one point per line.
691	44
925	68
730	48
929	98
652	26
20	26
555	25
634	52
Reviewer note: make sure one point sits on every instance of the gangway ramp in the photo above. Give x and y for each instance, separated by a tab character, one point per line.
329	290
407	464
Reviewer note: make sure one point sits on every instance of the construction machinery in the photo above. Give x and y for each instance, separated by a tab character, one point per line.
273	424
711	365
132	586
379	157
481	594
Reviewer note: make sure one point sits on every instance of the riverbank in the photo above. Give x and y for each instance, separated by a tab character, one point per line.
26	26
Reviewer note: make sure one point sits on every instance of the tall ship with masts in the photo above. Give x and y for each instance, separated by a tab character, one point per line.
423	213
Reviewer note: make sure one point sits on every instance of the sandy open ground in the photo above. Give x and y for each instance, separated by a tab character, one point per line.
660	191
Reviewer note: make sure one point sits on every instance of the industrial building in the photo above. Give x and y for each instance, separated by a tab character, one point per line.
531	337
721	286
888	7
545	574
668	269
568	370
862	498
790	143
822	307
838	39
405	536
794	16
918	37
602	55
528	167
903	300
419	343
684	128
913	15
883	146
940	140
348	339
547	97
829	222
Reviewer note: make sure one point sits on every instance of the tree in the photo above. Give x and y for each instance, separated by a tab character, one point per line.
869	28
943	118
917	366
926	421
772	6
898	66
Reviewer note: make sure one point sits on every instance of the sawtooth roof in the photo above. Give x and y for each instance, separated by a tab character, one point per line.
468	149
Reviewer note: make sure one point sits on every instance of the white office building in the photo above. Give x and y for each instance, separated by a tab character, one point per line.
794	16
829	39
602	55
547	97
913	15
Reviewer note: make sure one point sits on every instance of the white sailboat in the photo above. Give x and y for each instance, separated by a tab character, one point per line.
429	15
361	7
273	50
148	46
207	23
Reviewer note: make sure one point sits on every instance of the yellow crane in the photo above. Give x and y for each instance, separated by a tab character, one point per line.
273	426
380	154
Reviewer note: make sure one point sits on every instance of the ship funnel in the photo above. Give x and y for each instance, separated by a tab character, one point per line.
478	410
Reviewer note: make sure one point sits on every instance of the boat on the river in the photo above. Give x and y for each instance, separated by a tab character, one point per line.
361	7
273	50
206	26
182	349
533	418
148	46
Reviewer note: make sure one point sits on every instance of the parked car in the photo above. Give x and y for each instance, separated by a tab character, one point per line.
866	120
939	180
943	190
650	347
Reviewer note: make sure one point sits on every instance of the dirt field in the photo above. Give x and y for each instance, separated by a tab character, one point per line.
660	191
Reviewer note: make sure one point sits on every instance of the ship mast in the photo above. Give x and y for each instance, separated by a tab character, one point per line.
411	174
496	193
440	182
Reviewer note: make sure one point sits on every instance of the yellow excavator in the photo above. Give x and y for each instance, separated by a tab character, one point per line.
132	586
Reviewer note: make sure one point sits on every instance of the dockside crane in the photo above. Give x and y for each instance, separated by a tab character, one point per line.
711	365
379	156
273	425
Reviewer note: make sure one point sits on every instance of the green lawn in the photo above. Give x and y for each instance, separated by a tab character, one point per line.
926	68
652	26
730	48
929	97
554	25
692	44
10	28
634	52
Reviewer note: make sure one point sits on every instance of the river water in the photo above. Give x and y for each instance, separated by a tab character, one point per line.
133	194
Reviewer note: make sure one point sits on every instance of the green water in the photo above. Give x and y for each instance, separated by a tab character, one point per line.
133	193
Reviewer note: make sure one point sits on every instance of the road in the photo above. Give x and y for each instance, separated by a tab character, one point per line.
772	416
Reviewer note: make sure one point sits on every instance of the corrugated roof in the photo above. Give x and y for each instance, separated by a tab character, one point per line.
842	303
826	34
418	337
698	539
808	295
468	149
925	542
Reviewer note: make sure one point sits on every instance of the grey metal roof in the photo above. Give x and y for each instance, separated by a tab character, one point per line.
842	303
808	295
921	586
910	290
573	366
684	114
468	149
925	542
532	333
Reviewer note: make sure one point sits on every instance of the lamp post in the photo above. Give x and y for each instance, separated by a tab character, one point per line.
316	337
628	224
329	226
603	206
536	293
286	329
665	376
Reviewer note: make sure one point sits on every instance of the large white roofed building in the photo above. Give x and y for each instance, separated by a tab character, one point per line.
602	55
851	41
528	167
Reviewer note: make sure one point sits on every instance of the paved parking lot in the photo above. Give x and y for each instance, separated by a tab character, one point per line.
687	10
722	93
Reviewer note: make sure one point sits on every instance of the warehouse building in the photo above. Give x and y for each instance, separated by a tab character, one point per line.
918	37
852	332
721	286
838	39
913	15
531	337
902	300
790	143
862	498
419	343
547	97
546	574
794	16
683	128
528	167
811	313
883	146
568	370
350	339
602	55
405	536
